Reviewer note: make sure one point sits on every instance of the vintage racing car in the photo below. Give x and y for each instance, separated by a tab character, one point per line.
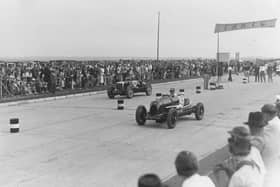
128	88
168	108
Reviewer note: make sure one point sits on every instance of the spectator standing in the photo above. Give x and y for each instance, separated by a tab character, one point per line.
272	146
262	73
269	73
229	73
256	124
245	166
257	73
271	135
101	72
206	76
246	70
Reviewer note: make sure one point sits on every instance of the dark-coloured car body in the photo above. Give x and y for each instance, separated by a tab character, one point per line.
168	108
128	88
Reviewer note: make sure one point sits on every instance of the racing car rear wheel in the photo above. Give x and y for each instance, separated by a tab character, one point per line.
141	114
171	118
149	90
129	92
199	112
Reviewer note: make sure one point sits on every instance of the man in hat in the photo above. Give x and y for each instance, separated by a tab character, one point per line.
271	152
206	75
245	166
149	180
256	126
187	167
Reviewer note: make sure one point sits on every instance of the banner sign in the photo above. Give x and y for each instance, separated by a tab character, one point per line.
245	25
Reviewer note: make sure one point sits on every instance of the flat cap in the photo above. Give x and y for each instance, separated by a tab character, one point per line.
240	132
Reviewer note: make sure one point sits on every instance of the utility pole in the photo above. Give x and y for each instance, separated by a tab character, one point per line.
1	93
218	56
158	37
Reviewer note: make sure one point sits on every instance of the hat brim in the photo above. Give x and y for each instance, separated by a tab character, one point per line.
259	126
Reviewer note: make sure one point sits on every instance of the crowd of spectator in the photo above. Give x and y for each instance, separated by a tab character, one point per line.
262	72
37	77
26	78
254	159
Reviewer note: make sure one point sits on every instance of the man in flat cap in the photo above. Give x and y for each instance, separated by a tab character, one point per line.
271	152
187	167
256	126
245	166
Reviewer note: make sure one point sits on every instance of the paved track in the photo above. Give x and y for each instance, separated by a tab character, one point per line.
85	141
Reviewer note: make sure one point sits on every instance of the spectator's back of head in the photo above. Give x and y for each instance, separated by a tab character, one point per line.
240	141
269	109
149	180
256	122
186	164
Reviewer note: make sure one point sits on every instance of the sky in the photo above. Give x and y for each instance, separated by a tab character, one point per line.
128	28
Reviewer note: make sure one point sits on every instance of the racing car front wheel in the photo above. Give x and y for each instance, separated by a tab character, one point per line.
199	112
140	115
171	118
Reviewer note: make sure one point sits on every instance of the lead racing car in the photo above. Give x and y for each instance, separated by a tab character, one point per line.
168	108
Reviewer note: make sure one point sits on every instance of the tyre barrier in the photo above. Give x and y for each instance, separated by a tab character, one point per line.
244	80
212	86
120	104
181	92
14	125
158	95
198	89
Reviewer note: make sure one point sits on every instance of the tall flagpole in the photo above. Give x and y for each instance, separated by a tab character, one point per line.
1	91
218	55
158	37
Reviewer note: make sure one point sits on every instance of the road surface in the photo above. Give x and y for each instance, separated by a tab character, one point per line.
86	141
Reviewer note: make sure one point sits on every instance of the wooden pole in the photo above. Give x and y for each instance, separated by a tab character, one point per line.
218	55
158	37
